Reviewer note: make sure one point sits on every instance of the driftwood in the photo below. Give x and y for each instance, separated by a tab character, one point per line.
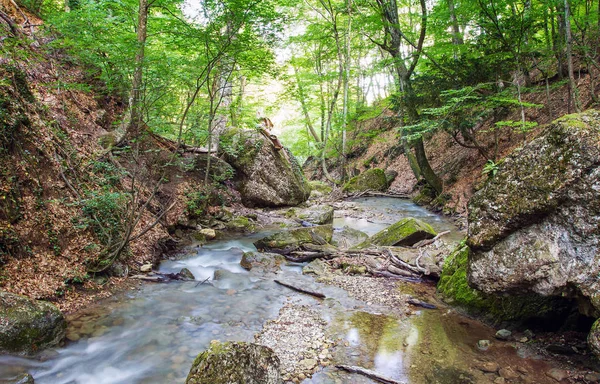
302	290
368	373
390	275
424	243
303	256
419	303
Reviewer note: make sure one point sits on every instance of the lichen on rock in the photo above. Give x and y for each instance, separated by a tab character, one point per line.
235	362
285	242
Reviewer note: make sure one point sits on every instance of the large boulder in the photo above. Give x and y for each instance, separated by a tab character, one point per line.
535	226
292	240
27	326
346	237
407	232
267	177
219	169
370	180
239	363
267	262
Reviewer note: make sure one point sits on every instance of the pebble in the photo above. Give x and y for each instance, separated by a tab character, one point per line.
557	374
489	367
146	268
499	380
508	373
483	345
503	334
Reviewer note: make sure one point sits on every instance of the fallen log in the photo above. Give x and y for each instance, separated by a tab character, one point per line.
424	243
368	373
302	256
391	275
301	290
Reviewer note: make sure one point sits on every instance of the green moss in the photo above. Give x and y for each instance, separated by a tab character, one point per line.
320	186
294	238
454	288
407	231
241	223
371	180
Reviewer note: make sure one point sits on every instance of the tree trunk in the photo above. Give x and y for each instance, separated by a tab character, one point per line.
573	91
135	123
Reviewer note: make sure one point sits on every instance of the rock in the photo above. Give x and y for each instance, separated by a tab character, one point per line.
557	374
489	367
235	362
316	267
28	326
370	180
24	378
499	380
219	170
508	373
534	227
267	177
592	377
294	239
483	345
208	233
347	237
146	268
118	269
186	274
321	187
593	338
318	214
390	176
240	224
107	140
503	334
406	232
308	364
268	262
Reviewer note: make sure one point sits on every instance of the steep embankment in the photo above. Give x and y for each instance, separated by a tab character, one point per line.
376	145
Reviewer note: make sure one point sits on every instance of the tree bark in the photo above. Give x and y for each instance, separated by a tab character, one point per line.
135	123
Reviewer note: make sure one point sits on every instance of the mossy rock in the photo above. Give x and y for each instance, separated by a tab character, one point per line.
235	362
407	232
370	180
593	338
28	326
262	261
292	240
317	214
347	237
319	186
241	224
454	288
219	170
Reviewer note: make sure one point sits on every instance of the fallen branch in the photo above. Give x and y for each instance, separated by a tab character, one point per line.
422	304
303	256
423	243
368	373
391	275
302	290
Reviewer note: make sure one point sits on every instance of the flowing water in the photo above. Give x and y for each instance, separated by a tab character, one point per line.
152	334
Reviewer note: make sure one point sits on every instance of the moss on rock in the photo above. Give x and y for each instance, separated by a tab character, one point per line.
370	180
288	241
406	232
241	224
27	325
235	362
319	186
263	261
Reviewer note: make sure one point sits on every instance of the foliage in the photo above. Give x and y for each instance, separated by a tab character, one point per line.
490	169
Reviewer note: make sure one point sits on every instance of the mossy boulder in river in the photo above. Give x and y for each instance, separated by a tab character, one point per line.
407	232
317	214
268	262
292	240
27	326
266	176
535	226
231	362
370	180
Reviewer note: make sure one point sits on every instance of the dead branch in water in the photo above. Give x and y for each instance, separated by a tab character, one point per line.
302	290
368	373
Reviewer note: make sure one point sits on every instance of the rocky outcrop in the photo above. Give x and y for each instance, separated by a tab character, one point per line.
232	362
535	226
28	325
407	232
292	240
370	180
266	176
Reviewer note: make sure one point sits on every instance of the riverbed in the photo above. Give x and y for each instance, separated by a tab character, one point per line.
152	333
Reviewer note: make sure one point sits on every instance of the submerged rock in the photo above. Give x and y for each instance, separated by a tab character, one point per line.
24	378
318	214
268	177
28	326
235	362
292	240
406	232
370	180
